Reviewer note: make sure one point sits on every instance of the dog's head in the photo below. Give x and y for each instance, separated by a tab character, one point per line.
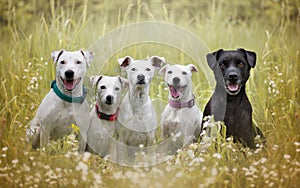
232	68
71	67
108	89
140	72
178	78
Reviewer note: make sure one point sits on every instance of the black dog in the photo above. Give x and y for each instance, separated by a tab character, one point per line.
229	103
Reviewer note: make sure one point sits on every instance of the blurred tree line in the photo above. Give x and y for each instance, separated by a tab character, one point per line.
24	12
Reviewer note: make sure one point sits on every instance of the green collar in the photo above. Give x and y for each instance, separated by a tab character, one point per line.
68	98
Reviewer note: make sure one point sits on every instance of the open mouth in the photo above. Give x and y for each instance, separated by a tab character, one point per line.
176	91
70	84
233	88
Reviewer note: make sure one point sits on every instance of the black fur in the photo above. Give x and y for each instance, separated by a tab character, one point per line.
229	102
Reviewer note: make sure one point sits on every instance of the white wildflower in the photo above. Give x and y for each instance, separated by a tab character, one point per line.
297	143
217	155
263	160
179	174
191	154
98	178
15	161
214	171
286	156
84	170
86	156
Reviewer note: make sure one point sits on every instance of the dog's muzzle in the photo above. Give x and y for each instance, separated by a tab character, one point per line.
69	82
109	99
233	85
141	79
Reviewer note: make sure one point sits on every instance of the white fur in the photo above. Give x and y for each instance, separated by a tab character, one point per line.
186	120
137	121
101	132
54	116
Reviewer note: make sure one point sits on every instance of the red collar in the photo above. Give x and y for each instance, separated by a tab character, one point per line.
101	115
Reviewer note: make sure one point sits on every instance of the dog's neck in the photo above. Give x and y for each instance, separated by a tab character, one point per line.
140	101
139	94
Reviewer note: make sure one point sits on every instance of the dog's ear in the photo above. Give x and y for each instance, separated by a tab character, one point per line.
124	82
250	56
125	61
88	56
212	58
157	61
163	70
56	54
94	80
192	68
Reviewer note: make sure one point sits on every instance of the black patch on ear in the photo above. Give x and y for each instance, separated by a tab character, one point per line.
126	62
98	81
156	62
250	57
212	58
82	53
59	54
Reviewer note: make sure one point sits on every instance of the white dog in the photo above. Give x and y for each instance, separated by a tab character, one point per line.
65	104
104	115
137	121
181	115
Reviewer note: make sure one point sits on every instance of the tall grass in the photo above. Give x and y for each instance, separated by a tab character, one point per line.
31	30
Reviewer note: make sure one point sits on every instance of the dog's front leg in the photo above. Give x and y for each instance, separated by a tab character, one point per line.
82	144
44	137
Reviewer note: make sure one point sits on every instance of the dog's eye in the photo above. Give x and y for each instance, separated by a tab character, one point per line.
184	73
102	87
117	89
170	72
222	66
241	65
78	62
148	69
133	69
62	62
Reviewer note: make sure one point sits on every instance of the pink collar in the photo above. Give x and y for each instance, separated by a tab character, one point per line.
182	104
101	115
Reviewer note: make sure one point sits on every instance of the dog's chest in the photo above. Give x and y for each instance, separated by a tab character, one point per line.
184	117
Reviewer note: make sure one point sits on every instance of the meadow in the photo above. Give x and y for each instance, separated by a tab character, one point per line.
31	30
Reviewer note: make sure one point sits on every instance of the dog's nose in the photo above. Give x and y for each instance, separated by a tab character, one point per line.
141	77
176	80
69	74
109	99
232	76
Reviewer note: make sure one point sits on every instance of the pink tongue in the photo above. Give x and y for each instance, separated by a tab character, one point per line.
233	87
174	92
69	84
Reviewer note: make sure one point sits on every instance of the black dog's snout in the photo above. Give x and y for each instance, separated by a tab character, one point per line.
109	99
69	74
176	80
232	76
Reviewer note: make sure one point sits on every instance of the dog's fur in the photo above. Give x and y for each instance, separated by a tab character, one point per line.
186	120
54	116
101	132
229	102
137	121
